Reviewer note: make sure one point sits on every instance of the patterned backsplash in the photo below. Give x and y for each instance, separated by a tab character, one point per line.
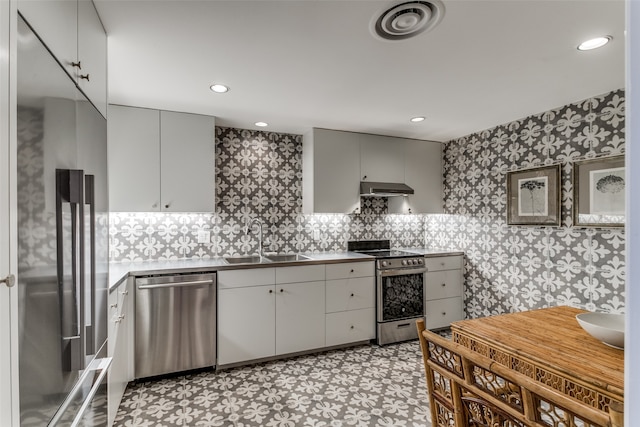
258	175
516	268
507	268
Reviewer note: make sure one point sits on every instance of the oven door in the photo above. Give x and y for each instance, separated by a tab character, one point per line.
400	294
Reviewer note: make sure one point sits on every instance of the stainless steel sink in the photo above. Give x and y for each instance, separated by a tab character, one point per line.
286	257
245	259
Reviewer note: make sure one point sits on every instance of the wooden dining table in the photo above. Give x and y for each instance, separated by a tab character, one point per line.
549	346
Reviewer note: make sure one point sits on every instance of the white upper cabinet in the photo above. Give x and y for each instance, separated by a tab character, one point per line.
187	147
134	159
73	32
92	54
334	163
331	172
160	161
423	173
382	159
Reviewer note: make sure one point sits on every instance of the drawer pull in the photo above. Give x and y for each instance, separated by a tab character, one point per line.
442	264
352	270
444	284
270	291
281	290
404	325
352	295
125	292
351	326
114	305
444	313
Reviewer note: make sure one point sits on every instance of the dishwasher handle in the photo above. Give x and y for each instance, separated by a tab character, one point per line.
176	284
175	281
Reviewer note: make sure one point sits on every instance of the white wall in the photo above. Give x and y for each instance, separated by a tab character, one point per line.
632	339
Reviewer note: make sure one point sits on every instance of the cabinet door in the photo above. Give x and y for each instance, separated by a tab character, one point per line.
382	158
56	23
331	172
92	54
300	317
187	156
423	173
119	348
134	159
246	324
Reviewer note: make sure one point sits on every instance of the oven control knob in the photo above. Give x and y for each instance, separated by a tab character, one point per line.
420	261
410	261
404	262
384	263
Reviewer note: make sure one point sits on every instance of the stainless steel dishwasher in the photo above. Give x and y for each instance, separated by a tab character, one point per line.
175	323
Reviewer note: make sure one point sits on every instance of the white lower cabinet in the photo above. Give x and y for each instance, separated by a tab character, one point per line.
299	317
261	315
120	344
350	303
350	326
266	312
246	323
443	291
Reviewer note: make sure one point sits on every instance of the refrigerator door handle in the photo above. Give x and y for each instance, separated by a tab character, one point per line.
69	189
89	195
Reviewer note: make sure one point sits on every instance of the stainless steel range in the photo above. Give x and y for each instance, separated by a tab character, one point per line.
399	290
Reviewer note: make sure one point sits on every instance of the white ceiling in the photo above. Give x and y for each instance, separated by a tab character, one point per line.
314	63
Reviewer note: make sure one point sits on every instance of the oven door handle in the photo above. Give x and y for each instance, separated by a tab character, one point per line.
402	272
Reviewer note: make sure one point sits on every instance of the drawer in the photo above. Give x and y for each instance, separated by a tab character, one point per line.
306	273
350	294
350	269
350	326
443	284
443	263
247	277
441	312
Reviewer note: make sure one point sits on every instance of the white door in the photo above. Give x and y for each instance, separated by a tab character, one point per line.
8	299
300	317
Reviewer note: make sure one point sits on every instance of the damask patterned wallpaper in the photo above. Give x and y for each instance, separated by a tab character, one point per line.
258	175
512	268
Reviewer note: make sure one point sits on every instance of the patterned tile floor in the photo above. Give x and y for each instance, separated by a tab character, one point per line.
360	386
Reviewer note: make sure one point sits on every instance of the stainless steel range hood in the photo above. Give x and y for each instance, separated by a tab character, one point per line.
384	189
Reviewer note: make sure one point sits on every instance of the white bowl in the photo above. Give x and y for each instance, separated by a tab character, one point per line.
606	327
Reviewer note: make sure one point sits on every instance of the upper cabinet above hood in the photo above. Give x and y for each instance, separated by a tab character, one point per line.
384	189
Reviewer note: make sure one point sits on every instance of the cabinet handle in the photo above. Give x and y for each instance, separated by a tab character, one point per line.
364	177
113	306
125	292
270	291
155	205
119	318
167	205
84	77
10	280
409	210
442	264
352	295
352	270
444	284
281	290
444	313
351	326
77	65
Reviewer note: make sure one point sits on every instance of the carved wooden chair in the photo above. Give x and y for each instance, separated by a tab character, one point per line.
467	389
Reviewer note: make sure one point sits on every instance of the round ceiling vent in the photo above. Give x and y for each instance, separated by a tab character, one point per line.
407	19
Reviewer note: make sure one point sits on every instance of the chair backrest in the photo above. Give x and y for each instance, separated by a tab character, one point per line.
467	389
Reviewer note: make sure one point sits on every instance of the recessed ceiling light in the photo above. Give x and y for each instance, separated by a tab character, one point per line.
218	88
261	124
594	43
417	119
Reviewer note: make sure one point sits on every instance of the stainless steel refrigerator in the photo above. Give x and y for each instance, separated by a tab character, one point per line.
62	220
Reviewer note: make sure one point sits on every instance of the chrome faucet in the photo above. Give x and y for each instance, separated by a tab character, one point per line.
260	241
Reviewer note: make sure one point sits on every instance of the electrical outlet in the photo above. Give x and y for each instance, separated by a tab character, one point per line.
204	236
316	234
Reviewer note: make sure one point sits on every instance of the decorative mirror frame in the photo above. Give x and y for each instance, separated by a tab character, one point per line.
602	180
547	177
